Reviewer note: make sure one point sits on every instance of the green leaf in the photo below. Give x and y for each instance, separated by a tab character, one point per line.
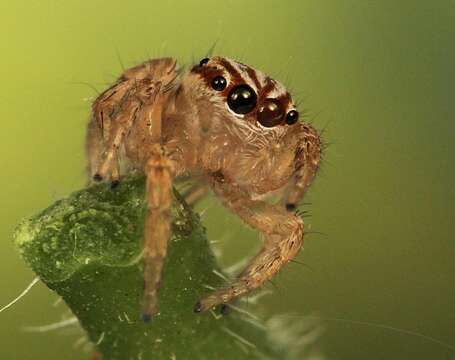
87	248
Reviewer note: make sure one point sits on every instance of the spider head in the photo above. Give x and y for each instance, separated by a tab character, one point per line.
253	116
241	94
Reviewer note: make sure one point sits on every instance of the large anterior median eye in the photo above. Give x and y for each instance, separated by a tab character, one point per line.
270	113
242	99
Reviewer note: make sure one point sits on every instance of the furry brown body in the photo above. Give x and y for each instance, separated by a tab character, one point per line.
230	126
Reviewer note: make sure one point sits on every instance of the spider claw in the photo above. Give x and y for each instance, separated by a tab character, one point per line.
225	309
197	307
114	184
147	318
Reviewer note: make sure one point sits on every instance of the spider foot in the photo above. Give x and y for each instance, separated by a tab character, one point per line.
115	184
97	177
147	318
225	309
218	298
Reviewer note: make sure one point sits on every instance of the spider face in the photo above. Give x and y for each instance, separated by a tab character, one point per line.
248	94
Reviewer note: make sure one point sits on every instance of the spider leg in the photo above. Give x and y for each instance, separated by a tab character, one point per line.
102	122
115	110
115	174
157	226
195	193
125	117
282	235
159	171
137	100
307	160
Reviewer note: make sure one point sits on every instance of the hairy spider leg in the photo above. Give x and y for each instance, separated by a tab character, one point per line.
308	156
282	235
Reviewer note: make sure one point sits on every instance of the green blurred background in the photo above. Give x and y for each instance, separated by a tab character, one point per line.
379	76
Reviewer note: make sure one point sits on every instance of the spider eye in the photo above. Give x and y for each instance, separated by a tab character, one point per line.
203	61
242	99
292	117
219	83
270	113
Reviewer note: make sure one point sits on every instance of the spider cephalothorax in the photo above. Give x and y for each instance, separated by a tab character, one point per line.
230	125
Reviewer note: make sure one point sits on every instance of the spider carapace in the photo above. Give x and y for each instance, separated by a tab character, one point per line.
231	127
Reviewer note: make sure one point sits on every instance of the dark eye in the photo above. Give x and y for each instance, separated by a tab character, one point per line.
270	113
219	83
292	117
203	61
242	99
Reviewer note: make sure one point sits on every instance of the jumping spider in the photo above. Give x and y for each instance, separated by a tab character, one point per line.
228	125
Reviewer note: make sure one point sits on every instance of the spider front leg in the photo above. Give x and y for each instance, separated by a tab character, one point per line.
122	119
104	123
159	171
282	235
115	110
307	159
157	225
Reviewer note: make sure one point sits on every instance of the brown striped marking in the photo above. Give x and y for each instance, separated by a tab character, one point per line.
253	76
267	89
235	75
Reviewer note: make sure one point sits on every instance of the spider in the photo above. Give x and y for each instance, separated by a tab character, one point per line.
224	123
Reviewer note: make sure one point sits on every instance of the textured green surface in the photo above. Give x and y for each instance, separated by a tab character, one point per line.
87	248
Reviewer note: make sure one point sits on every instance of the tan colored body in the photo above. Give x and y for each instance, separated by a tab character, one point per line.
165	125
